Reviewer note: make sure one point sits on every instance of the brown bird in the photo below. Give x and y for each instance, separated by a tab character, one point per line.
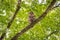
31	17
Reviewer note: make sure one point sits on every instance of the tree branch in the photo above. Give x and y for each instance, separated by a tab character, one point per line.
34	22
9	24
52	33
56	6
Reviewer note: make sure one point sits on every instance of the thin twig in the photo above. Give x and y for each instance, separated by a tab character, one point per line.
34	22
9	24
51	34
56	6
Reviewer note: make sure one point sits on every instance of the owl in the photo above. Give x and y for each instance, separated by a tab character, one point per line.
31	17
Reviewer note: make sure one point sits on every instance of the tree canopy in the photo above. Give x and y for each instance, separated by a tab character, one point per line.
14	24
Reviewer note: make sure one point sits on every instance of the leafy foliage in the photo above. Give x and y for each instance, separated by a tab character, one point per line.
39	32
